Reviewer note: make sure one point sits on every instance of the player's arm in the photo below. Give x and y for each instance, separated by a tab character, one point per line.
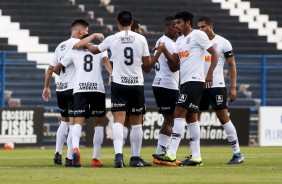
46	93
232	75
172	59
108	66
58	68
152	63
146	66
85	42
214	58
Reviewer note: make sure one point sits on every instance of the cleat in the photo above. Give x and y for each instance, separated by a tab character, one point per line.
76	158
96	163
165	157
177	162
57	159
164	163
119	160
68	162
237	158
192	162
146	164
138	162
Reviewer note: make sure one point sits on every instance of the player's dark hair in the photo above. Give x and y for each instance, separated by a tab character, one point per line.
135	24
124	18
185	16
80	22
207	20
168	20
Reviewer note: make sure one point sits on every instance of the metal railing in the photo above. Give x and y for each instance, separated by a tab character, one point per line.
264	63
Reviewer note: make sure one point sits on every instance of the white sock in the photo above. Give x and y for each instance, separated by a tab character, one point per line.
136	136
232	136
125	134
194	131
163	143
117	137
61	136
177	133
76	134
97	141
69	143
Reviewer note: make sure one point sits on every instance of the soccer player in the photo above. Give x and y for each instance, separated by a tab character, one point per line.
136	27
130	54
218	88
64	90
191	48
165	87
89	97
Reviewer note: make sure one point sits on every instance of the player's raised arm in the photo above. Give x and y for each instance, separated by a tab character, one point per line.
172	59
86	43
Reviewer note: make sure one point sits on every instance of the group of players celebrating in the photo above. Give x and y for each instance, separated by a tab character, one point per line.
189	78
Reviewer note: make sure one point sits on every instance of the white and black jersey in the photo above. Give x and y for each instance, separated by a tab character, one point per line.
65	79
164	76
127	50
88	70
224	50
191	50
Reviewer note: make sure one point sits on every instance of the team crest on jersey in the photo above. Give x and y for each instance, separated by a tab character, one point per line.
215	45
63	47
127	39
188	40
219	99
182	98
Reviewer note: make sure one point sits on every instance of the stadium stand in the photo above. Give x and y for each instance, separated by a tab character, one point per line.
50	20
271	8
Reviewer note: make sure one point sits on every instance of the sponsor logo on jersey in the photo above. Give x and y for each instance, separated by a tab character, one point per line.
183	54
88	86
219	99
62	85
127	39
207	58
129	80
182	98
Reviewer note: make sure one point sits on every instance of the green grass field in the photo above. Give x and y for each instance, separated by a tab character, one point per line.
35	166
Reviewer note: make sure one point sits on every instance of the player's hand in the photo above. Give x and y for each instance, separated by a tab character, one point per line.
160	47
208	81
232	95
99	36
46	94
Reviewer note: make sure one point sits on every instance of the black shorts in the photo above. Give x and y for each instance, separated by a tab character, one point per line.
65	102
190	95
127	98
89	104
216	97
166	99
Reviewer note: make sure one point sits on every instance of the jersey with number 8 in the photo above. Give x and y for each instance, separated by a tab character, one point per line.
127	50
88	68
